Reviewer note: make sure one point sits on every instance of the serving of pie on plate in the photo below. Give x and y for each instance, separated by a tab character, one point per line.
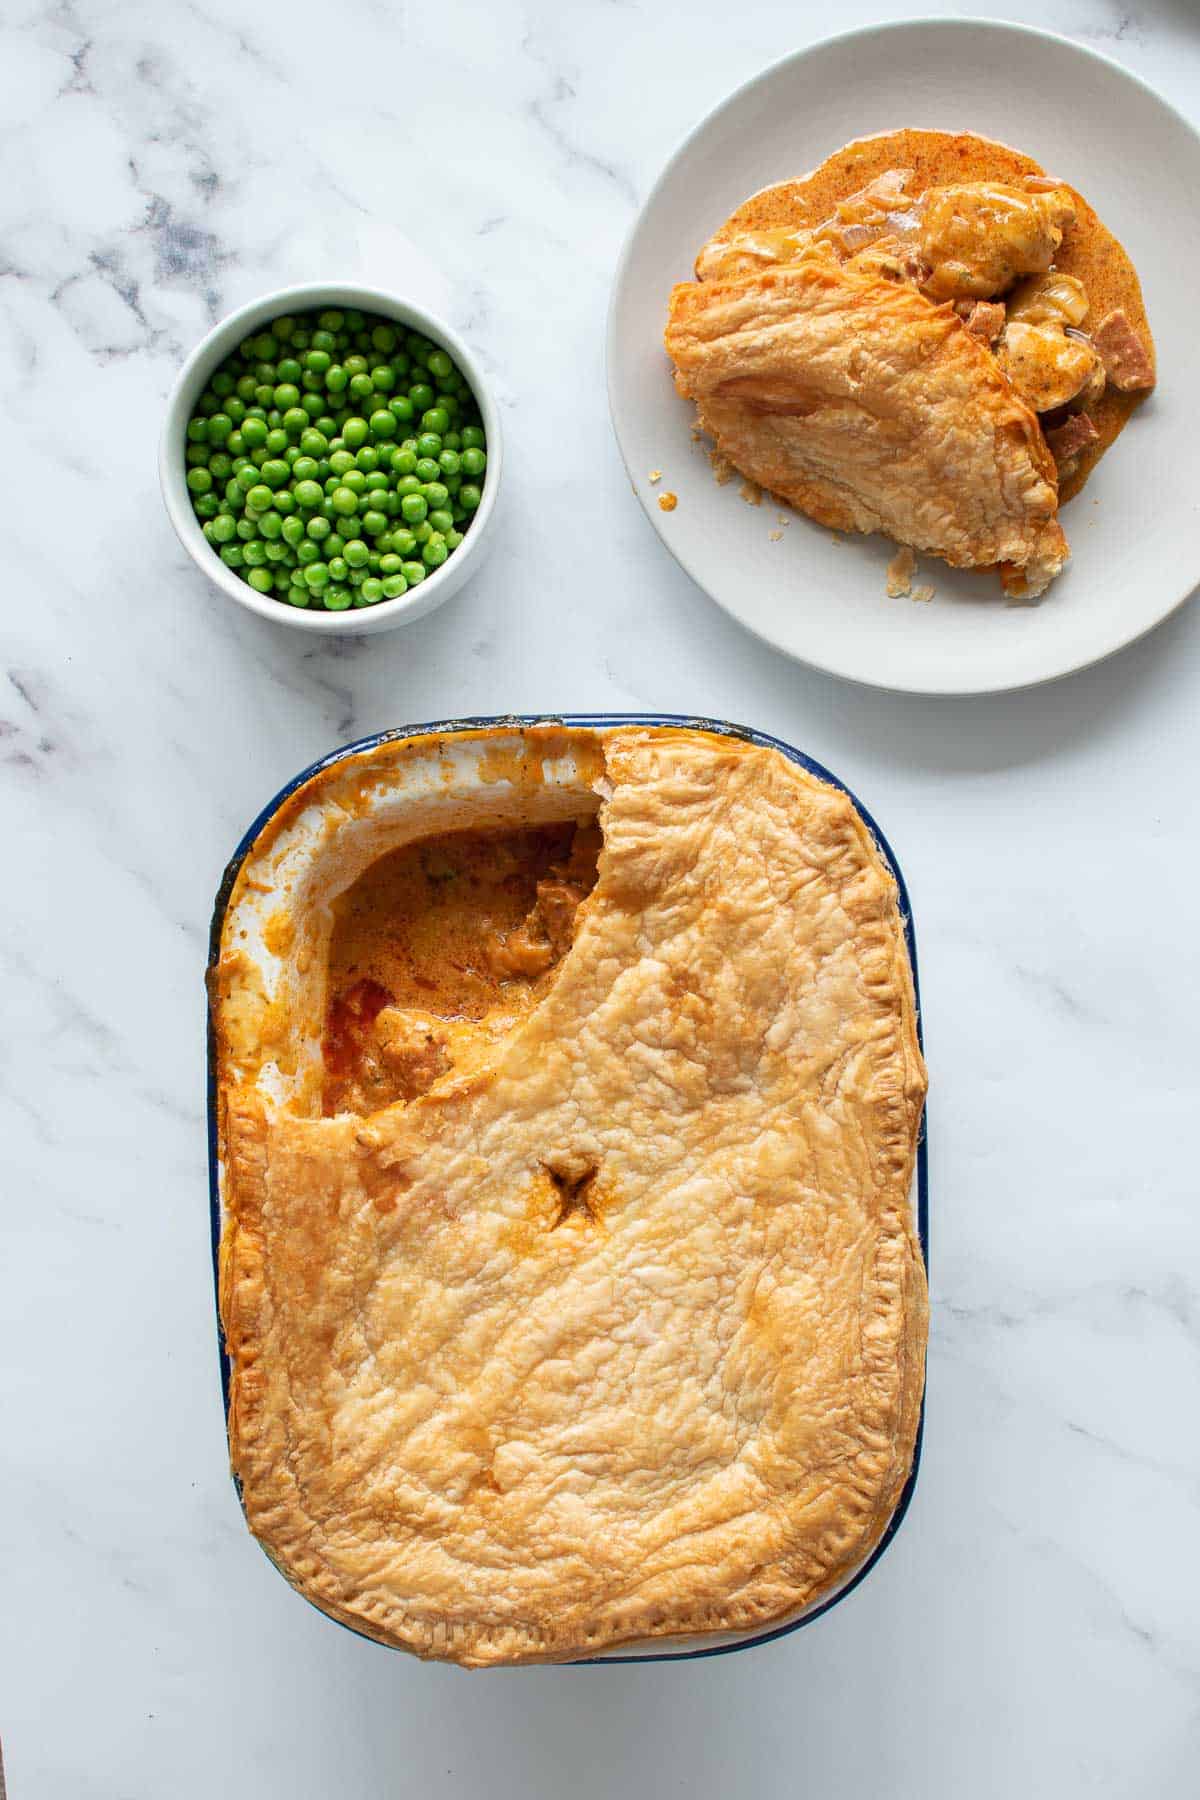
927	336
569	1090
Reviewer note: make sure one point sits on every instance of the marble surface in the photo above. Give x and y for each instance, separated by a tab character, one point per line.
1034	1628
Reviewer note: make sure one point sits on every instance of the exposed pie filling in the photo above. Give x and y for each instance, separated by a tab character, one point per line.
439	948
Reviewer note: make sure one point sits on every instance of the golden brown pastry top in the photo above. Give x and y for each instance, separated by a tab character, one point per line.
623	1336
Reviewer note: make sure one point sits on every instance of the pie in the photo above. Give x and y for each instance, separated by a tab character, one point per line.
927	337
569	1092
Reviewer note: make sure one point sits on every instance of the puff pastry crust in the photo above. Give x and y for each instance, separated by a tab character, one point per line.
623	1336
870	409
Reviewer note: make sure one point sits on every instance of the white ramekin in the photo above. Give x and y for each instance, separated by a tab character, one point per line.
190	383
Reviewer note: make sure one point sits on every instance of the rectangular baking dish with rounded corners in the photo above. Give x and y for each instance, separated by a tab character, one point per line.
512	726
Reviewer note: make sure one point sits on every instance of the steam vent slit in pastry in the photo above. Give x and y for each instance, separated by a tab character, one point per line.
569	1276
927	337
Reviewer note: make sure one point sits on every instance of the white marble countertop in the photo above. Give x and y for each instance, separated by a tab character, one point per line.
1034	1628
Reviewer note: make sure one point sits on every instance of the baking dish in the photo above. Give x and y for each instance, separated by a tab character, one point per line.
441	776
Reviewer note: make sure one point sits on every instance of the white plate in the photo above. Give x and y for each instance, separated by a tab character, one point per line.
1133	531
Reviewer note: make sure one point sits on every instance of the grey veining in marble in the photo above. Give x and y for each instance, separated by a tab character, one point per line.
1034	1629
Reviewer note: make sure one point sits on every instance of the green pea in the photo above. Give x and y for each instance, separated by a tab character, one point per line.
402	407
232	556
336	378
284	501
345	501
449	462
429	443
367	458
355	432
391	564
254	433
339	568
307	493
435	553
453	539
403	542
260	580
382	423
318	527
206	506
287	394
199	480
293	530
472	437
334	544
274	472
298	596
413	507
295	421
224	529
382	379
394	586
371	590
469	496
313	442
220	466
341	462
307	551
356	553
436	493
312	405
316	574
435	420
255	553
441	520
403	462
373	522
421	395
355	480
414	572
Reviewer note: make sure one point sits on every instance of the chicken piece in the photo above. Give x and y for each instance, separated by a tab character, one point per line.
1129	363
1047	358
979	237
1046	367
556	907
527	952
412	1049
870	409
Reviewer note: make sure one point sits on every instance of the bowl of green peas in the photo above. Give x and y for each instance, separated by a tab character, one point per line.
331	457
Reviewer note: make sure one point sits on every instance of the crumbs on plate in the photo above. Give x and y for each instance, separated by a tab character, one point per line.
900	573
668	502
654	475
751	493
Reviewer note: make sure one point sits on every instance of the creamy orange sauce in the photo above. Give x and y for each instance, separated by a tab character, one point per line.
939	159
439	948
